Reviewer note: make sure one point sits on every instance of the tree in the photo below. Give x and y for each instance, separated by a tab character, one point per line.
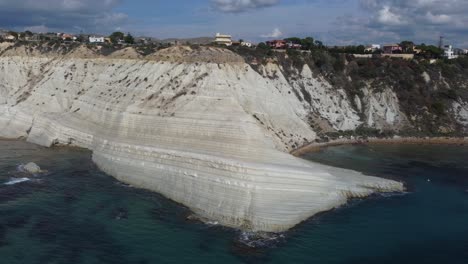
116	37
13	34
263	46
361	49
129	39
294	40
407	46
308	43
430	51
319	44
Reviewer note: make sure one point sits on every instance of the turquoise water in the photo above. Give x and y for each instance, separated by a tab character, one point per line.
77	214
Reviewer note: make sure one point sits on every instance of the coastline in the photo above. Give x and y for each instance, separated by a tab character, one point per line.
203	144
317	146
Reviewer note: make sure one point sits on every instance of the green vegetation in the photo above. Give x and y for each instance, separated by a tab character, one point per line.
116	37
129	39
425	91
349	49
430	52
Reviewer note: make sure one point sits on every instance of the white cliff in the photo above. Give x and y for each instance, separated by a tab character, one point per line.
200	127
382	109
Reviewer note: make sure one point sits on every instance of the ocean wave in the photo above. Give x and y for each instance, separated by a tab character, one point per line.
260	239
20	168
14	181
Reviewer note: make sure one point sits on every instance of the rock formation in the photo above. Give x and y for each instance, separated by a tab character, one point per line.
32	168
199	126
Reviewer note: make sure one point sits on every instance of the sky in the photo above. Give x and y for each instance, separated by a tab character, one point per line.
335	22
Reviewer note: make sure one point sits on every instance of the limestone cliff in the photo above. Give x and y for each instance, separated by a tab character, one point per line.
200	126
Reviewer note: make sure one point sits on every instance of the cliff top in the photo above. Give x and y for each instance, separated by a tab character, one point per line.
178	54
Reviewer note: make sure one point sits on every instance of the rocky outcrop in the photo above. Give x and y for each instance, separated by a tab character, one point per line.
199	126
32	168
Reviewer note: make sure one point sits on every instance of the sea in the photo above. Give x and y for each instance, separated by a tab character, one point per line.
74	213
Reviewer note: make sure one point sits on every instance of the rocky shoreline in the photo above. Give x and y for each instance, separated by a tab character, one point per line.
317	146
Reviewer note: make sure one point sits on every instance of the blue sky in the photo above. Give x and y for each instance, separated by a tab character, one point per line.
333	21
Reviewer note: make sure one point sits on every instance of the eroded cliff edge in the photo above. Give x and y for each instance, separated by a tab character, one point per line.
200	126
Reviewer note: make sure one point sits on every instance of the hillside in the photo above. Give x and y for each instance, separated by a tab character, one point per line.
382	96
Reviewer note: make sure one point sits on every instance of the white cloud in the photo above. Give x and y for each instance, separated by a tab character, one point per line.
61	15
235	6
90	6
438	19
276	33
387	17
419	20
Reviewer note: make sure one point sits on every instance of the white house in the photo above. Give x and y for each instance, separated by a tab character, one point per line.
223	39
246	44
94	39
449	53
372	47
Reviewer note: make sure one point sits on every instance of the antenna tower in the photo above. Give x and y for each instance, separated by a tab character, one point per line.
441	42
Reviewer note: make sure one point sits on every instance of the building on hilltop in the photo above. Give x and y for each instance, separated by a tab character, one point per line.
372	48
221	39
392	49
246	44
277	44
94	39
67	37
294	45
449	52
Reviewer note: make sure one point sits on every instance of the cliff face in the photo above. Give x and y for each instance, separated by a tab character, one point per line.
200	126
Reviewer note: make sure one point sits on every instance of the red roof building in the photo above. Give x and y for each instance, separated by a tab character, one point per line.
277	44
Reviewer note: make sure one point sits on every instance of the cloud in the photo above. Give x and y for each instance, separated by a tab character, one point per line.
237	6
87	6
419	13
397	20
61	15
387	17
276	33
438	19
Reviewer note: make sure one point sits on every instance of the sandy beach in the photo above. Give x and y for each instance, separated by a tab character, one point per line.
316	146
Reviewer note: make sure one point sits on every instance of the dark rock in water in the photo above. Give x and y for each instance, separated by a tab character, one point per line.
17	221
120	214
69	197
170	212
46	228
12	193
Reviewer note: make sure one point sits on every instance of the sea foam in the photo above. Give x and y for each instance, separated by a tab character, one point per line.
14	181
